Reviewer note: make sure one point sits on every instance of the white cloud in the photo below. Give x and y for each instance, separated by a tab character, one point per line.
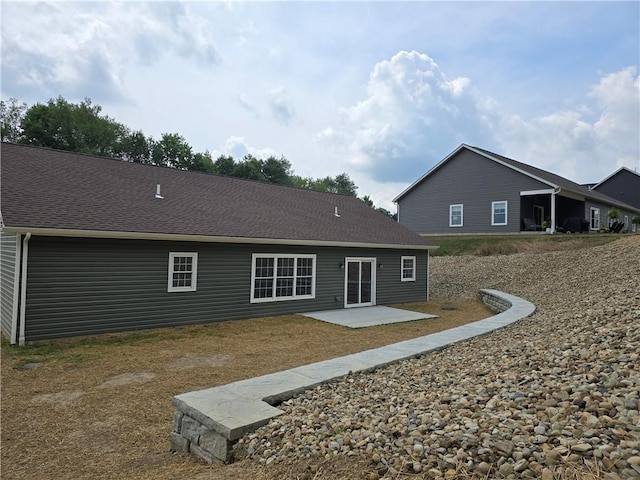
63	48
238	148
567	142
411	112
413	116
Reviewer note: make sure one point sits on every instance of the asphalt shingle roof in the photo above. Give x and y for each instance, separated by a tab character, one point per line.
563	183
51	189
545	176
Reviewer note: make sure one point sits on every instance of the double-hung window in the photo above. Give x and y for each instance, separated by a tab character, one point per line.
282	277
595	218
183	271
408	267
499	213
455	215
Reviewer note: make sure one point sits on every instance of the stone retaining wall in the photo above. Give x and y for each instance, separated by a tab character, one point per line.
190	436
494	302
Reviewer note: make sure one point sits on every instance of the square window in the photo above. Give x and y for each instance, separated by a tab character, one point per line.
456	215
182	272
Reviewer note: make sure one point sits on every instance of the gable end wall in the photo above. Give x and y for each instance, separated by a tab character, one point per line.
474	181
624	186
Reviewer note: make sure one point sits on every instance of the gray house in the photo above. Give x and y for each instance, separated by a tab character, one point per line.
623	185
474	191
92	245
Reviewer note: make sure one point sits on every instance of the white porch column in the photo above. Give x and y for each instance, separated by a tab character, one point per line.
553	212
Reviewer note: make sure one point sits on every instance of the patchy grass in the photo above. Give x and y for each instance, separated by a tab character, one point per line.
484	245
100	407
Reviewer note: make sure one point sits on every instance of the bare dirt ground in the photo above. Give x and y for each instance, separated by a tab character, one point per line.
100	407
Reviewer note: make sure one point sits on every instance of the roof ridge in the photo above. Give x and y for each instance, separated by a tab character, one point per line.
168	168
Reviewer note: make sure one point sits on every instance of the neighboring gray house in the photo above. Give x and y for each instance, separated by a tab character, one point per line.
623	185
473	190
92	245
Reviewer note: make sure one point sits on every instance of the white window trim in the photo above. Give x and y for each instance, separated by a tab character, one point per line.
194	272
626	222
413	269
493	212
591	218
273	298
451	207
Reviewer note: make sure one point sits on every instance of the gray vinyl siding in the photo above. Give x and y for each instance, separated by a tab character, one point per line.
474	181
7	278
624	186
604	209
91	286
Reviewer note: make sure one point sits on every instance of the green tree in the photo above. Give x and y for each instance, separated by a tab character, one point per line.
135	147
202	162
172	150
367	200
344	185
76	127
277	171
225	165
11	114
250	168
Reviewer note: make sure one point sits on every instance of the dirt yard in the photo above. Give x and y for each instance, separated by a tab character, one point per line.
100	407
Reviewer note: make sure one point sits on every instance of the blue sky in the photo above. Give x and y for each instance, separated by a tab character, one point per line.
380	90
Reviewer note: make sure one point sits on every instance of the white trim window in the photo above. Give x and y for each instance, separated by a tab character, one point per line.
282	277
626	223
594	216
456	215
183	272
408	269
499	213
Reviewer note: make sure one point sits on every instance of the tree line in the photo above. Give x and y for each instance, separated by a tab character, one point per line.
83	128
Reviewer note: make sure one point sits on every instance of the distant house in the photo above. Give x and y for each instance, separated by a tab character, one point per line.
623	185
92	245
474	190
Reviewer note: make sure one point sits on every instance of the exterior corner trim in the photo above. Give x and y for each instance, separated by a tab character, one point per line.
23	287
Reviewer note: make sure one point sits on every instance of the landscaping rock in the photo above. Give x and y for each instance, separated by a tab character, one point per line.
561	385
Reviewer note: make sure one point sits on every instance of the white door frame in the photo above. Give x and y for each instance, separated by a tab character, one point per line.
360	261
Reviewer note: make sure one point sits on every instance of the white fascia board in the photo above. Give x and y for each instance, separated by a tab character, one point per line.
207	238
433	169
570	194
613	175
547	191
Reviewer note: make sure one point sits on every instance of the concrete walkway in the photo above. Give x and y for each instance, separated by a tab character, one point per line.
360	317
209	421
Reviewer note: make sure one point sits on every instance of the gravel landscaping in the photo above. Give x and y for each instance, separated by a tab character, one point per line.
556	389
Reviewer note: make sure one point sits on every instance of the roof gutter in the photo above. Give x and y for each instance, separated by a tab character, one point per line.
23	286
56	232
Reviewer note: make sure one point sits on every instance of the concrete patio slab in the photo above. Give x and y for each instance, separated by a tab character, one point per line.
361	317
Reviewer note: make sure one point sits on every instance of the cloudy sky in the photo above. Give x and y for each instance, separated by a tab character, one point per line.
380	90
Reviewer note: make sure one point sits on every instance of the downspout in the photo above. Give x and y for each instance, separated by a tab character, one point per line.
428	253
16	291
23	286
